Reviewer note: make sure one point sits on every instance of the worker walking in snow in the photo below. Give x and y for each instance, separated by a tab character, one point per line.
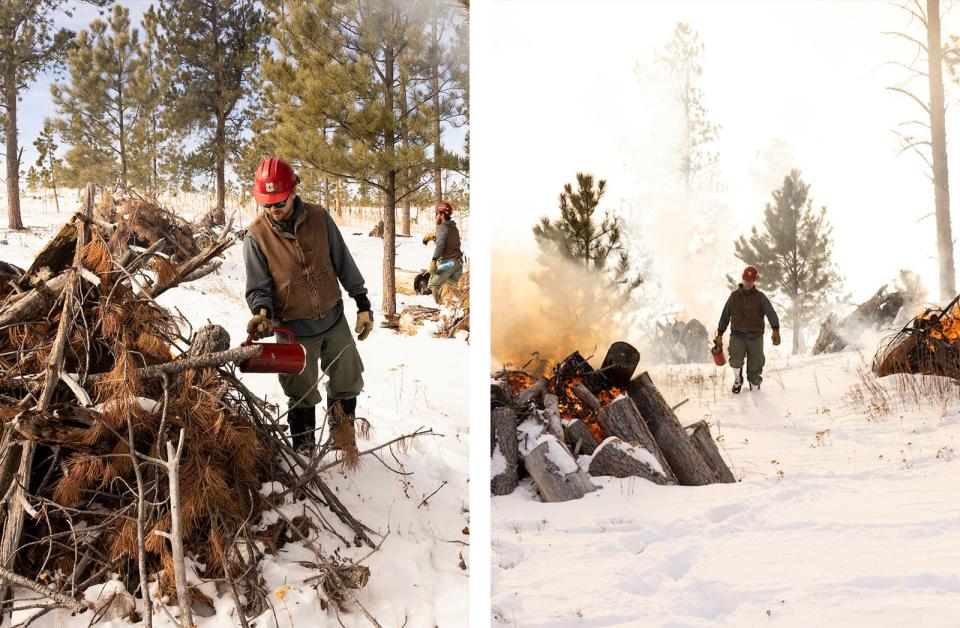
744	313
294	256
447	262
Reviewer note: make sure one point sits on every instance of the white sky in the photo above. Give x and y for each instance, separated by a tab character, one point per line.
806	73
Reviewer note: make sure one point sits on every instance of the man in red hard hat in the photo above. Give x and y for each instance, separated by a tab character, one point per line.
744	312
447	261
296	260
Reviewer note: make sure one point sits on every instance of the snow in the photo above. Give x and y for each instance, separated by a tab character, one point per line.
558	455
416	579
846	514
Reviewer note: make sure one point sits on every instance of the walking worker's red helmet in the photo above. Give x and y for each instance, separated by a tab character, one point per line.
274	181
751	274
446	208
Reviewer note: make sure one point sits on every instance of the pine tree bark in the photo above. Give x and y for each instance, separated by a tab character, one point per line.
389	193
220	148
938	138
435	86
14	219
405	212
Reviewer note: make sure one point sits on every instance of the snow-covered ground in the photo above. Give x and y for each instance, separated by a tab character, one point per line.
420	575
846	514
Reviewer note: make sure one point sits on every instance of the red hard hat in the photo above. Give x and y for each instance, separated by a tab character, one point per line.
274	181
445	208
750	273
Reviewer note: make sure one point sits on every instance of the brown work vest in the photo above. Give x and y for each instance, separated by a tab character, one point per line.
746	311
452	248
304	280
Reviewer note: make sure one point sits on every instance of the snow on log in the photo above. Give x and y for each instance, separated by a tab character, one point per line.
684	459
413	317
504	474
555	472
616	458
701	439
621	419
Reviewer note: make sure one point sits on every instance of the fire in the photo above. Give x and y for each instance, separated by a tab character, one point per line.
572	408
519	381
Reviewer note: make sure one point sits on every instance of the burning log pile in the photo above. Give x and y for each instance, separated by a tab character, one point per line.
877	312
118	459
578	422
929	344
682	342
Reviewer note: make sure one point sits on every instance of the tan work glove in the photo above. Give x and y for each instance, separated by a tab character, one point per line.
364	324
430	237
260	326
776	337
433	267
718	341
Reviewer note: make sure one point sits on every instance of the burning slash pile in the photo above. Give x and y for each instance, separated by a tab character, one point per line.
929	345
578	421
118	460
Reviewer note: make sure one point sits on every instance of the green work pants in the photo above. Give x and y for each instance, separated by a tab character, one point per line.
750	349
333	352
451	274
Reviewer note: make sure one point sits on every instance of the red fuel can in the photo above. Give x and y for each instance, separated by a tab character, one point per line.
276	357
718	357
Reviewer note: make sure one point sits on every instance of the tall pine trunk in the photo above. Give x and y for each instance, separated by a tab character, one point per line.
405	210
938	136
389	191
437	145
15	221
220	148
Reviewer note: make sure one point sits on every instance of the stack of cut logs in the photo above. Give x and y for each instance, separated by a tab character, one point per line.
579	422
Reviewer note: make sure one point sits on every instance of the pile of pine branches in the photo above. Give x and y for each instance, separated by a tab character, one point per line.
128	444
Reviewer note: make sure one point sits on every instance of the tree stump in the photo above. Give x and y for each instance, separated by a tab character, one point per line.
579	437
622	460
504	472
555	472
621	419
701	439
210	339
684	459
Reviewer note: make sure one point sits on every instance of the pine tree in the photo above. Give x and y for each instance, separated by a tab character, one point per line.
98	110
352	125
48	165
607	280
212	48
152	143
681	67
793	252
29	44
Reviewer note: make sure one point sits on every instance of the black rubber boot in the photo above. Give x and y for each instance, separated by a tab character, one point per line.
738	381
340	422
303	422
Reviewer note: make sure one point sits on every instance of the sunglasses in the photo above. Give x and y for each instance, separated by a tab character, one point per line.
279	205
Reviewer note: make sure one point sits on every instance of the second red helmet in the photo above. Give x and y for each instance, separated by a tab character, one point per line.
444	207
274	181
750	273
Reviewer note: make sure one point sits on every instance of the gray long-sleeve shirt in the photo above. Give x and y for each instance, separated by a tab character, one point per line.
768	311
259	291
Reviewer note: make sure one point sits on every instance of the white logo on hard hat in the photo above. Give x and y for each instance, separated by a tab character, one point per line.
269	186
